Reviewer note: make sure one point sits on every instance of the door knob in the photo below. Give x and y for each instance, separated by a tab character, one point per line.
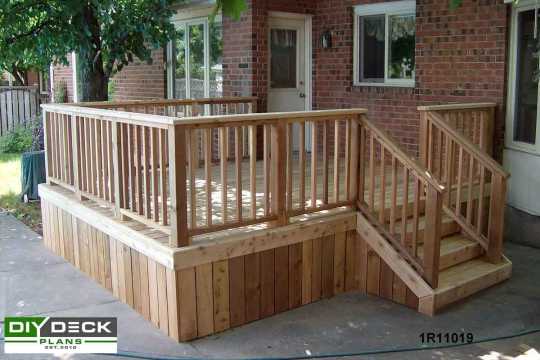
302	95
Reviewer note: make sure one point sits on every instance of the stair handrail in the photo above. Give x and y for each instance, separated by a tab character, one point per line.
426	186
489	174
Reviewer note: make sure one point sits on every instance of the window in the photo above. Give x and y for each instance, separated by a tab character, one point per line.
283	47
384	43
196	59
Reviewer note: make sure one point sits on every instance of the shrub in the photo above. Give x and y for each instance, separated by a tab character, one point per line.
17	140
60	92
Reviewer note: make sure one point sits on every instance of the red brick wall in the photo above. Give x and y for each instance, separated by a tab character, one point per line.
64	74
137	81
140	80
460	57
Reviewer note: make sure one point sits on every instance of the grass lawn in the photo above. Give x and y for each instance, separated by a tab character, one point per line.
10	188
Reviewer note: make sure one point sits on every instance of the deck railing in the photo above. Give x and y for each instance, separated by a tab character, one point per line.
474	121
471	176
397	212
182	107
147	166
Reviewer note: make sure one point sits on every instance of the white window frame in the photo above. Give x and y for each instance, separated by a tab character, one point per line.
387	9
523	5
183	20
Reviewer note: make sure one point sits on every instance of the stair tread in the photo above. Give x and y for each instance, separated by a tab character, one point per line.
451	244
421	223
463	273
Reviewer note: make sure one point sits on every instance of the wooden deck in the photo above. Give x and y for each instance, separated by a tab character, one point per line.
198	242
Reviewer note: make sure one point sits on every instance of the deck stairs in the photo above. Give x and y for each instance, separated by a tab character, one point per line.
465	235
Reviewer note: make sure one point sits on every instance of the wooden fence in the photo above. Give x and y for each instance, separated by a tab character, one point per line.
18	106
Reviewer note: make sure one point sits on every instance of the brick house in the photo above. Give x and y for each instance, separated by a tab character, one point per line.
389	57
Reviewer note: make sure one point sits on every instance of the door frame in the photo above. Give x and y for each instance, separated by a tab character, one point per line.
509	141
308	51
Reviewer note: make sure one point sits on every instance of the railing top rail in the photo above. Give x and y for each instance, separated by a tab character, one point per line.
458	106
469	146
218	120
31	87
113	115
230	100
406	159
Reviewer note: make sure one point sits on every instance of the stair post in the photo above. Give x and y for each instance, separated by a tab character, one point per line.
278	158
432	236
496	218
423	138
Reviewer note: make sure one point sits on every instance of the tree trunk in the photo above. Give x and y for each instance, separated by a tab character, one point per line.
93	82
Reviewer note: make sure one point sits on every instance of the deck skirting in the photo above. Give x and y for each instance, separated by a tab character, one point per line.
217	283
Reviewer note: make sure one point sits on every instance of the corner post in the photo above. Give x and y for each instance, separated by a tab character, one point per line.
432	236
46	143
278	157
361	159
496	218
177	186
423	138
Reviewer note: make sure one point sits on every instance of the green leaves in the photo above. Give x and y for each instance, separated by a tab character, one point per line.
454	4
231	8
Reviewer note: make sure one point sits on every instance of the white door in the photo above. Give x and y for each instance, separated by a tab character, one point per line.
287	68
286	86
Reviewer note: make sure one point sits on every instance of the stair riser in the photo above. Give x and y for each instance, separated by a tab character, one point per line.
471	287
447	229
459	256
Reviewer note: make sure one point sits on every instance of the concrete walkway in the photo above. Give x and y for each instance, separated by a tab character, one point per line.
34	281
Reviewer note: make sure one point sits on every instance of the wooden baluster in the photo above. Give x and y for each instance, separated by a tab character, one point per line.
393	206
177	182
371	171
93	161
314	164
83	157
481	193
382	194
253	169
125	166
362	162
440	153
431	149
325	163
154	150
302	165
432	236
223	170
146	175
138	170
97	153
117	161
459	181
353	157
131	174
470	193
104	165
163	151
404	209
76	151
192	149
208	173
336	161
279	159
68	147
289	171
266	165
416	213
238	166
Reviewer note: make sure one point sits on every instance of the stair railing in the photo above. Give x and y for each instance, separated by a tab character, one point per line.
396	213
476	183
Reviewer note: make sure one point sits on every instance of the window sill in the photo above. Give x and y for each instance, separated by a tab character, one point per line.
387	84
